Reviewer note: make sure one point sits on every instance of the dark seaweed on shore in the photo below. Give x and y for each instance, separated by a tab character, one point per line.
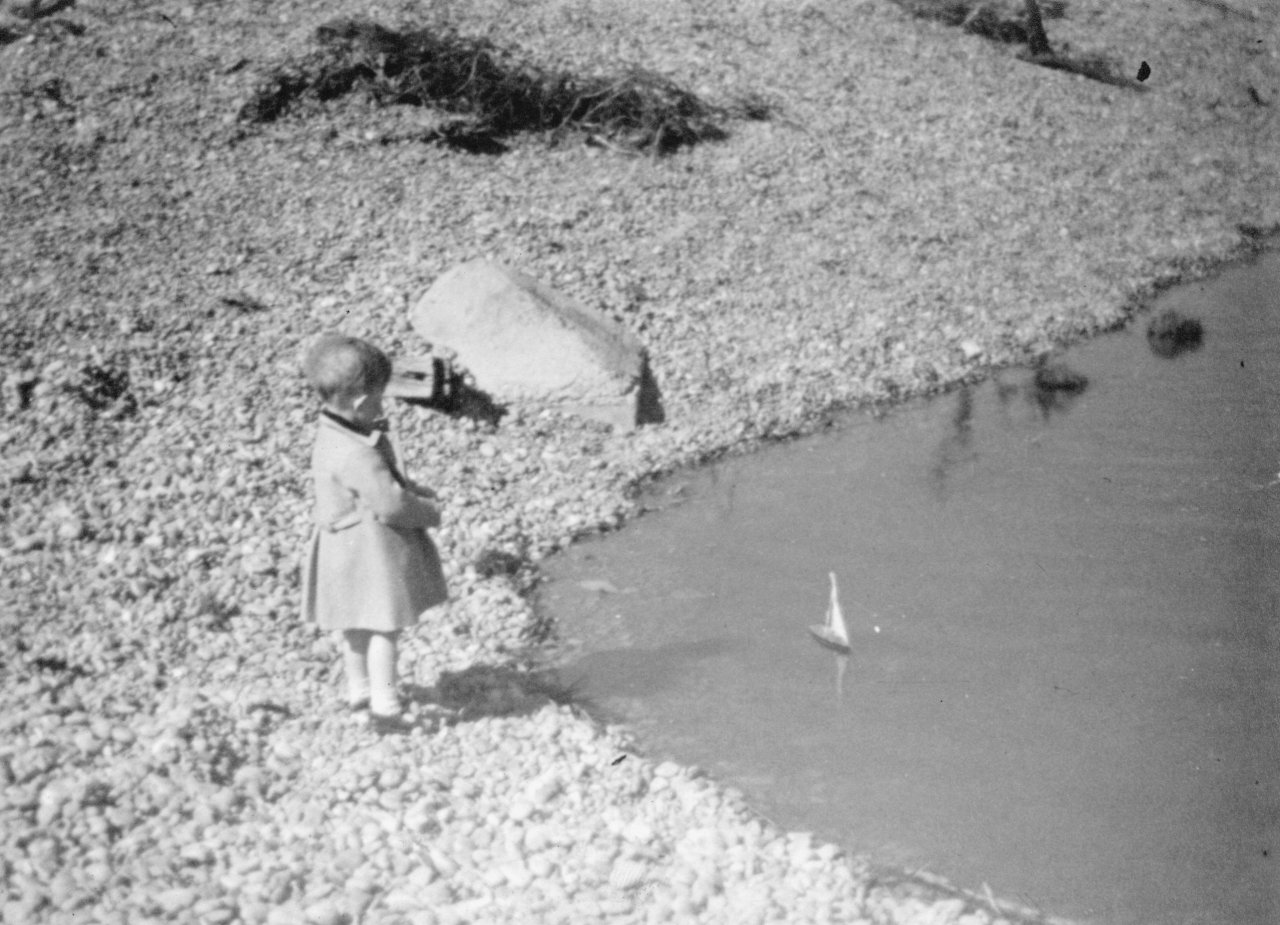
488	90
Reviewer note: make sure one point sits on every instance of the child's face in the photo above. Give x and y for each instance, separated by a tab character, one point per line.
368	408
362	409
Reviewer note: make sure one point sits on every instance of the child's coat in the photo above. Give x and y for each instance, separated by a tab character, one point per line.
371	564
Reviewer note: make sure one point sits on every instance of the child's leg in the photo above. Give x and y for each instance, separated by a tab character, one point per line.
384	699
355	661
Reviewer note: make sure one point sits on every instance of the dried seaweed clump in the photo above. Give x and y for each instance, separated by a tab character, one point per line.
490	91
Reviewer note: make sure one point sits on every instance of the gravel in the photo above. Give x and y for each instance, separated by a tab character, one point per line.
919	208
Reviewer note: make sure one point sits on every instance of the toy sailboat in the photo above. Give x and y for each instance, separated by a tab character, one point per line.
833	634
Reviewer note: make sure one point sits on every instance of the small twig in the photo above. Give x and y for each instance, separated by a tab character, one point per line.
991	898
1228	9
597	139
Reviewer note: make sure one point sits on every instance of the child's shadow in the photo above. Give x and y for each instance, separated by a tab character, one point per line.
495	690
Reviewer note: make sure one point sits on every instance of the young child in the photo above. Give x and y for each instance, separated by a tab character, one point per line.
372	569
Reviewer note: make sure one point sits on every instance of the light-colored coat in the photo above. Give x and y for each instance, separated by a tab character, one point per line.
371	565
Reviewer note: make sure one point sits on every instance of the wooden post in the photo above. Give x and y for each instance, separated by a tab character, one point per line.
1037	41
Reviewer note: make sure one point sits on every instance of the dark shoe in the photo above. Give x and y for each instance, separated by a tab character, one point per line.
392	725
358	706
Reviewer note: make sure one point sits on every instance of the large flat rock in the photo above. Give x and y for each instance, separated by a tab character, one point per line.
523	341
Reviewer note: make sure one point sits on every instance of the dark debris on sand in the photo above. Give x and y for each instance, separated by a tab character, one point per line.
490	89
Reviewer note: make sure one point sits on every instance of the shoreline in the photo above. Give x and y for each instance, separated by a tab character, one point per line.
176	751
658	497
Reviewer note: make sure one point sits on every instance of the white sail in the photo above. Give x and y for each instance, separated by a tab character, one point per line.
833	633
835	616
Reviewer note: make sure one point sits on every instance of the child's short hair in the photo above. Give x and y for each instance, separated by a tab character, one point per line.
339	366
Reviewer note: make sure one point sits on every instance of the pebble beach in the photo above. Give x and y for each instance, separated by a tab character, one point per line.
918	207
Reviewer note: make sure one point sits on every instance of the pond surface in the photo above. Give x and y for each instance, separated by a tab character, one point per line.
1065	670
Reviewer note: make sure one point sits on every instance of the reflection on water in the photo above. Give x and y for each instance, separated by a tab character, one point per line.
956	448
1063	621
1170	334
1042	395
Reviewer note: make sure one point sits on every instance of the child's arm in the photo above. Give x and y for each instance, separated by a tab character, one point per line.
367	474
416	487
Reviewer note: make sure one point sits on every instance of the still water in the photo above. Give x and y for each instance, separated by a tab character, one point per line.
1065	672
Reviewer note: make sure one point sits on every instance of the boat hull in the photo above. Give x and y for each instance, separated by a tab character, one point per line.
826	637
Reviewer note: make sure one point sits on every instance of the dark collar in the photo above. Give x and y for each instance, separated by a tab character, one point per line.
364	430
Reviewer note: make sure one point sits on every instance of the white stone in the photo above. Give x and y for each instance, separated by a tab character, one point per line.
422	875
638	832
325	912
403	900
543	789
525	342
518	876
176	900
615	907
541	866
627	874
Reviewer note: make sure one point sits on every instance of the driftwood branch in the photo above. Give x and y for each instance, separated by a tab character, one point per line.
1037	41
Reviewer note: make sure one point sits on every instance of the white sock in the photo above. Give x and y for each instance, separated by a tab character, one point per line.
355	651
383	697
